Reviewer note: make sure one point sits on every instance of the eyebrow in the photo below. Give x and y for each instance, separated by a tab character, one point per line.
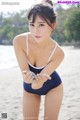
38	22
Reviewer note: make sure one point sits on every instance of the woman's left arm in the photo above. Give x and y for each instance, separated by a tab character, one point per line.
44	75
55	61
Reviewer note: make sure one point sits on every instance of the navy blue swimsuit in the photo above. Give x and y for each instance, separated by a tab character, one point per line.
48	85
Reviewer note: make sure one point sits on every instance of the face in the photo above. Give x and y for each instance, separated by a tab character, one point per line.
39	30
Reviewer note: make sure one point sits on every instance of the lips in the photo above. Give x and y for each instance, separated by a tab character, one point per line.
38	36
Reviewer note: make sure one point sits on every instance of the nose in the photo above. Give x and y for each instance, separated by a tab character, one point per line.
36	30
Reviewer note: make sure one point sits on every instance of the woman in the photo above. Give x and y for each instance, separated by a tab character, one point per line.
38	56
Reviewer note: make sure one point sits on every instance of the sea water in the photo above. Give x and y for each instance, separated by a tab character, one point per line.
7	57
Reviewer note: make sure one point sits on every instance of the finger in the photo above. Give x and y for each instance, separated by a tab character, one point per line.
43	78
34	81
47	76
29	77
36	78
28	74
40	79
32	77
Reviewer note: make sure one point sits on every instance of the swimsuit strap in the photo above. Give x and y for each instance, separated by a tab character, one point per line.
53	52
27	43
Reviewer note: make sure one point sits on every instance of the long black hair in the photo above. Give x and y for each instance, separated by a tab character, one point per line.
44	10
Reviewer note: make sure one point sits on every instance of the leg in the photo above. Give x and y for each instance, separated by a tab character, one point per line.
31	105
53	100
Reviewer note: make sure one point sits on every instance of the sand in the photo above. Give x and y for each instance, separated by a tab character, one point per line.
11	91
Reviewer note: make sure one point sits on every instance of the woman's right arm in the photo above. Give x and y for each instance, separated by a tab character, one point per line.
20	53
22	59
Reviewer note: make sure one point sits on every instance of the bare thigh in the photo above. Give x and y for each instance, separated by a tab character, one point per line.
53	100
31	106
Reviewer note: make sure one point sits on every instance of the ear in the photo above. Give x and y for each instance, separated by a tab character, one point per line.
53	25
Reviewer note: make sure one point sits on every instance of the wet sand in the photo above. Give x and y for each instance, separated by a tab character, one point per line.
11	91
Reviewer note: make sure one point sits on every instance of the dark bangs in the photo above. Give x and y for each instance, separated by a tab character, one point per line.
44	12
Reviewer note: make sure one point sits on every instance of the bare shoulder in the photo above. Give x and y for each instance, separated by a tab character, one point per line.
20	51
19	40
59	51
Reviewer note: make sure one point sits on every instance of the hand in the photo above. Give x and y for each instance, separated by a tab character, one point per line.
39	80
28	77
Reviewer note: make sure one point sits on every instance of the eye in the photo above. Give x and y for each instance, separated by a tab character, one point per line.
31	24
42	25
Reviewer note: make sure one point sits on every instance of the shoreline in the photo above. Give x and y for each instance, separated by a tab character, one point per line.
64	43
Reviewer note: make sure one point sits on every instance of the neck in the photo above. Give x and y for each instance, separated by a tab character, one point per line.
43	43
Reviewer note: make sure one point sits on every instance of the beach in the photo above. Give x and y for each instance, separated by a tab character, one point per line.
11	89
